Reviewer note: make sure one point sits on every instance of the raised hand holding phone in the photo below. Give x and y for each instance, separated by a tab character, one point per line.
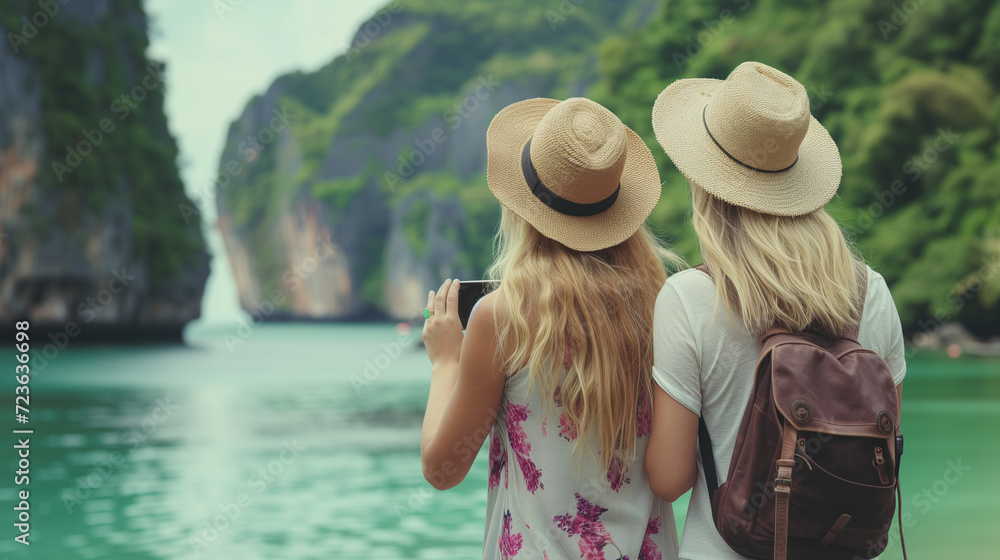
442	334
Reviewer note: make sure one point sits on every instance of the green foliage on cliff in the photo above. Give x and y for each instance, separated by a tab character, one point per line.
104	127
909	92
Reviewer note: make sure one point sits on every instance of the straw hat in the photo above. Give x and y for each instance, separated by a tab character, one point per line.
572	170
749	140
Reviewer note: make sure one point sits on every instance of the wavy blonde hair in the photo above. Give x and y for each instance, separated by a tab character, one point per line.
589	313
797	272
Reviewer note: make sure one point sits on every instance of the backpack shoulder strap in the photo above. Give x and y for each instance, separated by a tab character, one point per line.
707	458
704	439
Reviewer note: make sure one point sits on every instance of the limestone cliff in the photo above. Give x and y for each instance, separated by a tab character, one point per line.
90	230
382	153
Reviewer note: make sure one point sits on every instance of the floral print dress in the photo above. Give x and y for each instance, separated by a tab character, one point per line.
547	501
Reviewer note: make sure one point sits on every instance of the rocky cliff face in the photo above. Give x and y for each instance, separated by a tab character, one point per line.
351	191
90	232
382	151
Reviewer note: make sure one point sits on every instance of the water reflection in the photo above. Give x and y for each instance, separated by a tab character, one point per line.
271	451
265	452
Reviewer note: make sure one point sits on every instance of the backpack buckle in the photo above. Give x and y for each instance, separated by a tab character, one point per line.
783	485
783	482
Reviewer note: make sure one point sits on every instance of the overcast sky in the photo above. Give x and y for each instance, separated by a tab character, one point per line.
219	54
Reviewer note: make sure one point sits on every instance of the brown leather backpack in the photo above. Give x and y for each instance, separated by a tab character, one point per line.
814	473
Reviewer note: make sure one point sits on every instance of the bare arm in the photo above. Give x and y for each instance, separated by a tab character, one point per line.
670	457
466	388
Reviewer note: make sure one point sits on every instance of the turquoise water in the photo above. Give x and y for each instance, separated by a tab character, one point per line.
302	442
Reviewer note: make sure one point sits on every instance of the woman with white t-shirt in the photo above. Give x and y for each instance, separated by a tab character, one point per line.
760	169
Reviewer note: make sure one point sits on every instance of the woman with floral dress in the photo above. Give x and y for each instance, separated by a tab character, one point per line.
555	364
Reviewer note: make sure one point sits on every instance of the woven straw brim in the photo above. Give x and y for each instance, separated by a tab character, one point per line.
640	183
807	186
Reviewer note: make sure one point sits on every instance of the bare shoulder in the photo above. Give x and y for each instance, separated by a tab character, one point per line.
481	333
489	309
483	318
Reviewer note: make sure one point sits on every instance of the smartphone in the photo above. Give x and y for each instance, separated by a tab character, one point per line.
469	292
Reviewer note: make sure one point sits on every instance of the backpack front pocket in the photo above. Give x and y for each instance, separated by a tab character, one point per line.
825	488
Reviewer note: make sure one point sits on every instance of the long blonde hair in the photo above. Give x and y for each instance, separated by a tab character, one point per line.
590	313
797	272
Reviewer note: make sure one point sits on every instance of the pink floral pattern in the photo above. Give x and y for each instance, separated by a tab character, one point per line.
498	460
599	525
516	414
644	418
649	551
616	474
510	544
586	523
567	427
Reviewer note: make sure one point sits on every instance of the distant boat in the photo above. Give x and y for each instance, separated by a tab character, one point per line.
404	329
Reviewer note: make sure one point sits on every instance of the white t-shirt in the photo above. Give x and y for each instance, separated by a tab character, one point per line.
707	364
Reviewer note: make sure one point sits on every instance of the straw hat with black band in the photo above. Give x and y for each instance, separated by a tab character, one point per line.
572	170
749	140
